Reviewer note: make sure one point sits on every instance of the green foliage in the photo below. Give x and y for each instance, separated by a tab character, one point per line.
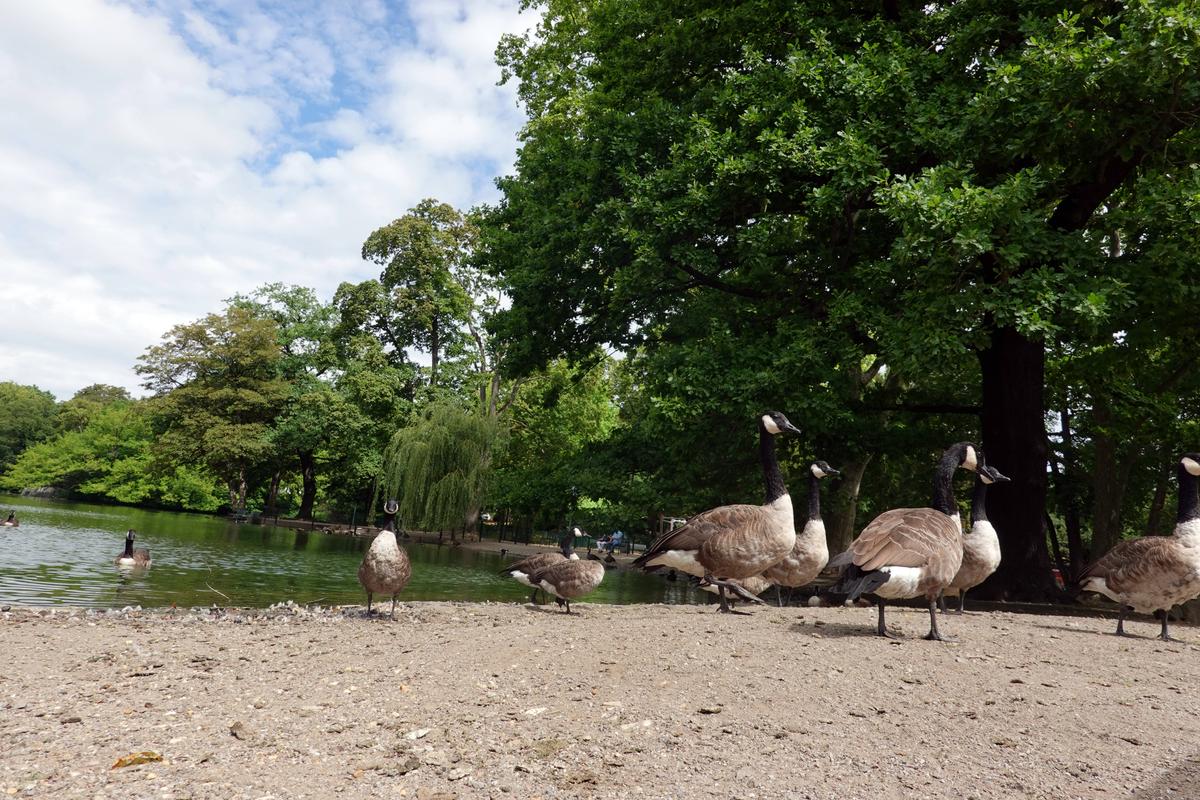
76	413
111	457
217	390
438	467
26	417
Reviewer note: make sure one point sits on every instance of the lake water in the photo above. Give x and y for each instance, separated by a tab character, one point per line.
62	554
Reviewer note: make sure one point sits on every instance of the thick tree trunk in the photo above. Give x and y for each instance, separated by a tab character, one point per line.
1110	477
434	344
308	474
1154	519
844	504
273	494
1014	441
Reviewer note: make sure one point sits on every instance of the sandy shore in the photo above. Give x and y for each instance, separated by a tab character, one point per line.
506	701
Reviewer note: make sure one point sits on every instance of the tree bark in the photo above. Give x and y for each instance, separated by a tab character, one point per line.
1154	518
1068	487
308	474
1110	477
273	494
434	344
844	505
1014	441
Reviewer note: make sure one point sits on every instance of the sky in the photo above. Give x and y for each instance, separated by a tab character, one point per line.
159	156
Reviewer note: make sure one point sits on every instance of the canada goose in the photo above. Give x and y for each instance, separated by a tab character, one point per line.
569	578
810	554
385	569
521	570
1154	573
131	557
730	543
12	521
909	552
981	545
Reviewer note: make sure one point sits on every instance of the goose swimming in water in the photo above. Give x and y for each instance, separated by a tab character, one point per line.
385	568
910	552
1154	573
139	558
981	545
12	521
730	543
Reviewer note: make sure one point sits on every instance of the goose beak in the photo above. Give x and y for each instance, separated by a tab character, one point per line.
831	471
790	428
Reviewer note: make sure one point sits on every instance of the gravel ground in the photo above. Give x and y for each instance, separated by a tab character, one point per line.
505	701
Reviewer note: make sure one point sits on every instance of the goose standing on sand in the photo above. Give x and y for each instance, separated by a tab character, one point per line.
569	579
521	570
139	558
909	552
385	569
1154	573
810	554
730	543
981	545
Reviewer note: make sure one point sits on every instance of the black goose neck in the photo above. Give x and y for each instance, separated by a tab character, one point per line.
943	483
128	548
1189	496
979	501
814	496
772	477
389	522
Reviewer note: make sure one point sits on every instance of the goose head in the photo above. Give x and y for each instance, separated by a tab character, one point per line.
967	454
774	422
989	474
820	469
130	536
1191	463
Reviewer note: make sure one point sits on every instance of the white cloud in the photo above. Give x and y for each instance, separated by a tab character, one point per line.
158	157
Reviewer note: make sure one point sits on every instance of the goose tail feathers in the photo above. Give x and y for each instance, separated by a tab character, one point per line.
856	582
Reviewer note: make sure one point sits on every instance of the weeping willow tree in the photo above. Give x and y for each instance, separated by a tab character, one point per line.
437	468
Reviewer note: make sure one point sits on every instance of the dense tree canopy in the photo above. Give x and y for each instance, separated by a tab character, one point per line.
930	190
26	417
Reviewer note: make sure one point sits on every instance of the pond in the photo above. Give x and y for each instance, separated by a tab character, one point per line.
62	554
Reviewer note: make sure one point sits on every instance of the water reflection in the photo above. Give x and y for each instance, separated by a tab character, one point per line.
63	555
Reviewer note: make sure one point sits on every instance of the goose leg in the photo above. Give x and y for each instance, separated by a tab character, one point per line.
779	595
734	589
393	606
368	604
962	602
567	603
1121	623
881	629
533	597
942	602
1166	637
933	634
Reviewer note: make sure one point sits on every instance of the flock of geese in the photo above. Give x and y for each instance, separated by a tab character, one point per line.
738	551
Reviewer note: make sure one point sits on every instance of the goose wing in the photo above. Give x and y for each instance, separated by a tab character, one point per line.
570	579
700	528
1136	564
905	537
533	563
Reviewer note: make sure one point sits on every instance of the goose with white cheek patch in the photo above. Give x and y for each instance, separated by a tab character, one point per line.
730	543
910	552
568	580
132	559
1154	573
981	545
385	569
521	570
810	553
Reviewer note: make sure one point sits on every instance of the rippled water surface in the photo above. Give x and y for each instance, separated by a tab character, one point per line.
62	554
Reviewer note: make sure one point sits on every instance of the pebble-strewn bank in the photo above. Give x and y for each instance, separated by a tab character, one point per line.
507	701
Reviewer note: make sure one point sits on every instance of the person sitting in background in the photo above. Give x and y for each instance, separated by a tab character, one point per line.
615	541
